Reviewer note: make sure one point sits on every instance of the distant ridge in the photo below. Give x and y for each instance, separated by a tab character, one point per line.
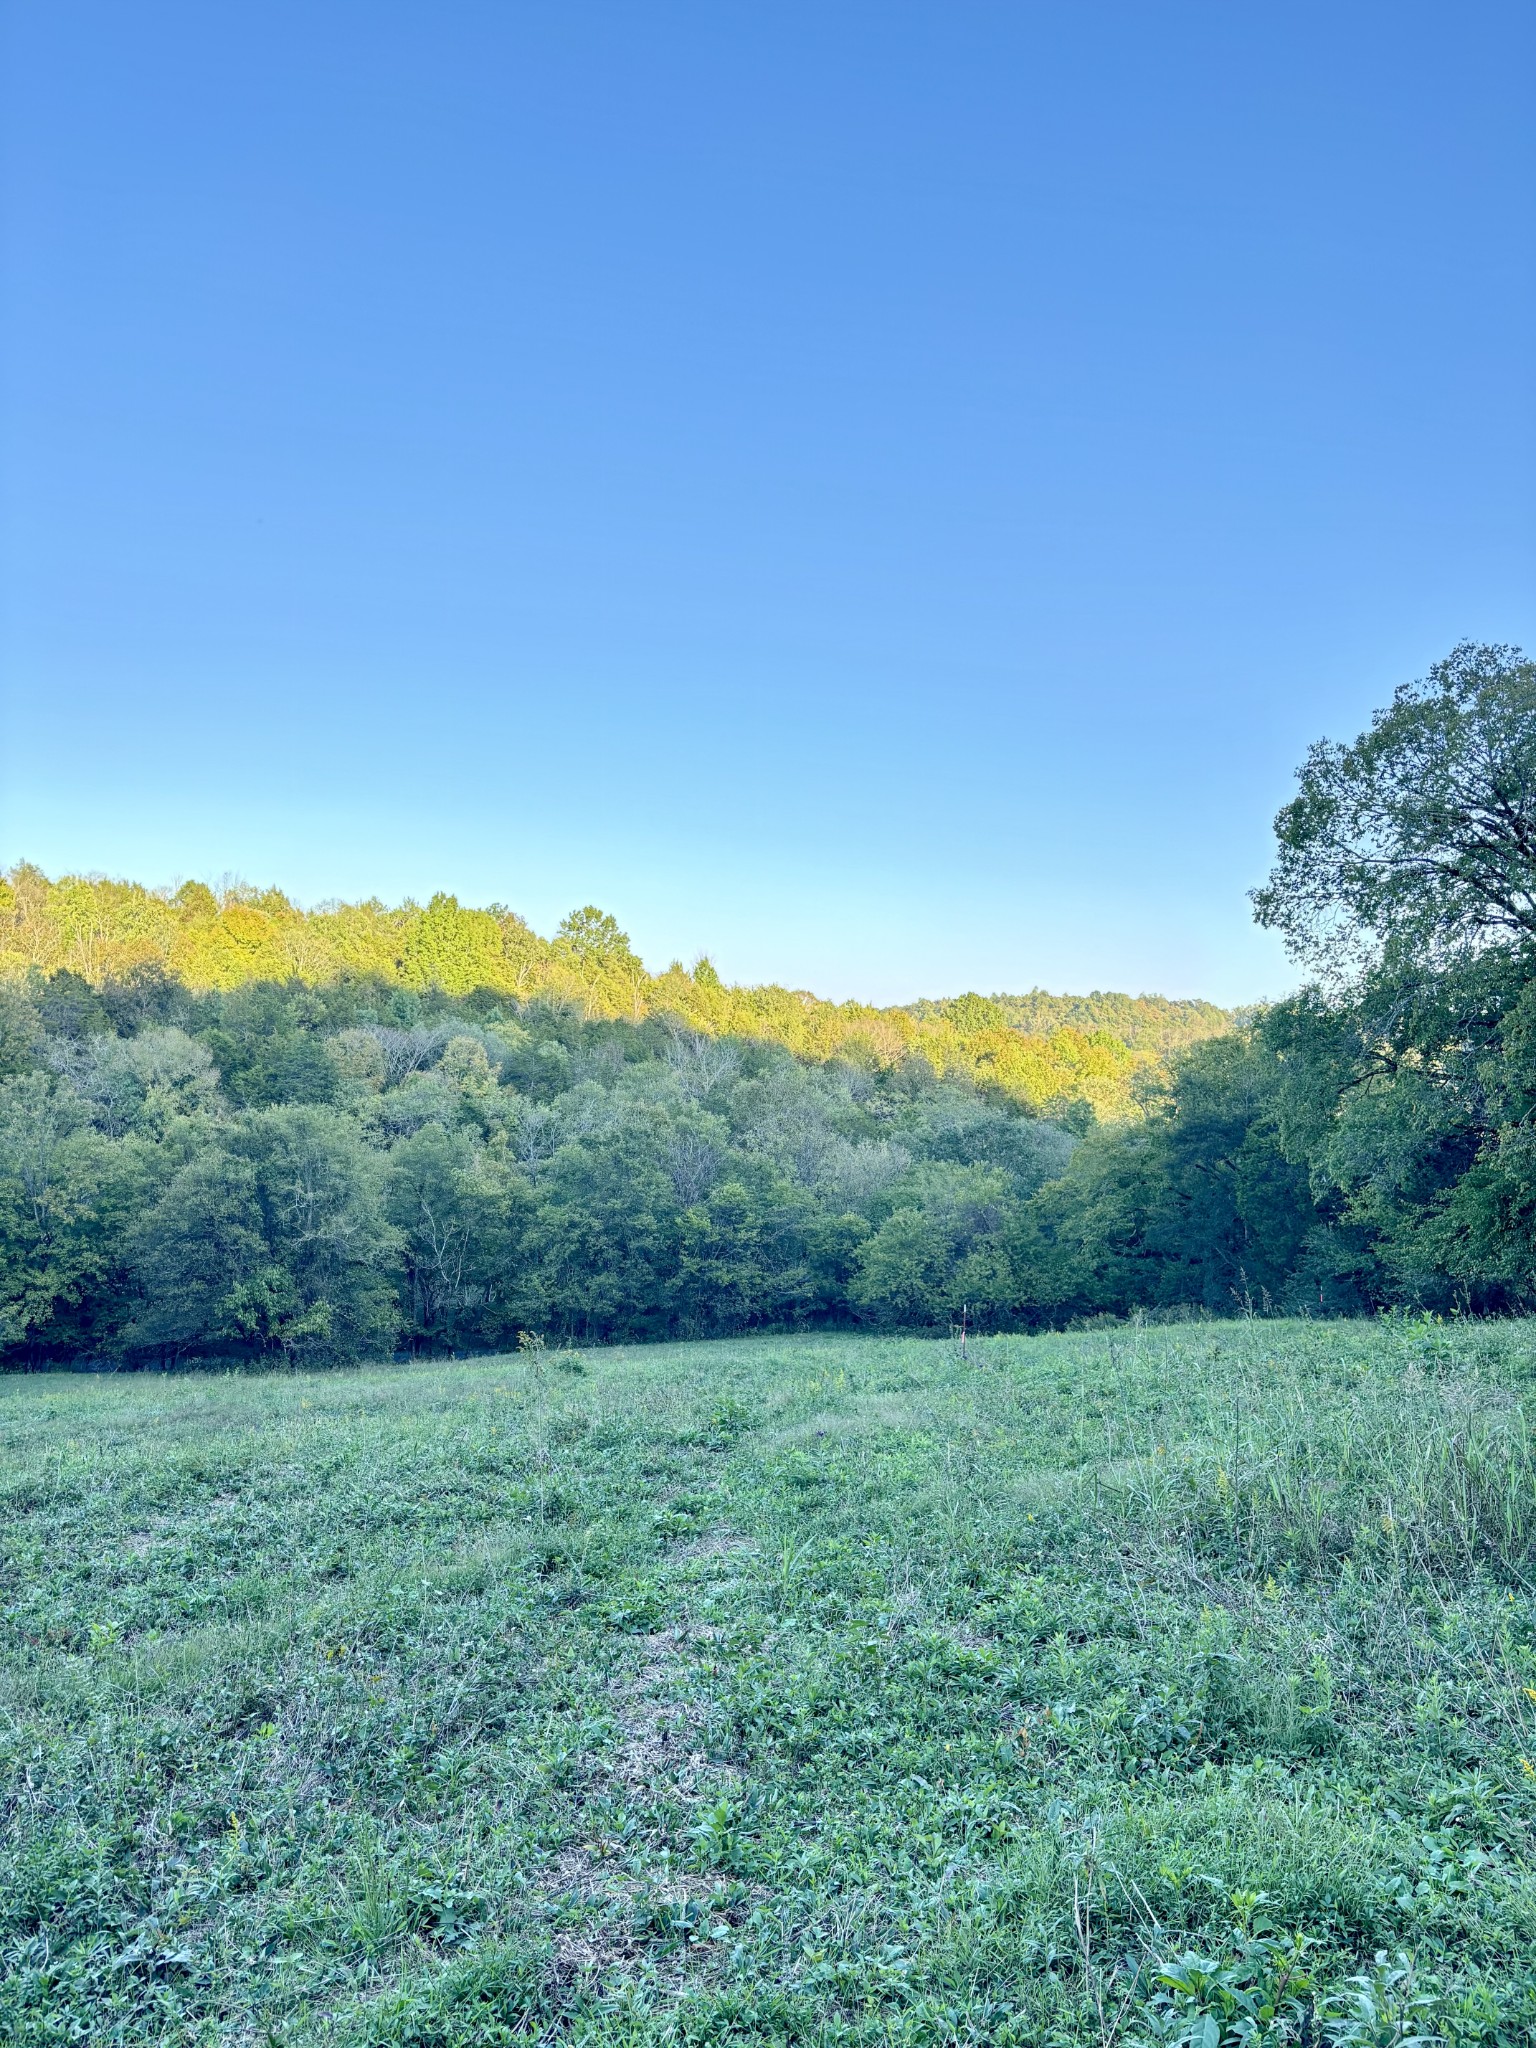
1073	1057
1159	1024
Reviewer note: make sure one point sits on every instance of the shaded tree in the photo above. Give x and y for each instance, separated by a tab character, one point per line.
202	1267
319	1189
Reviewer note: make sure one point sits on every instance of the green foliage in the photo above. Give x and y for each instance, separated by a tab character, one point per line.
280	1174
269	1242
1198	1205
1144	1023
808	1688
1367	1142
21	1031
319	1189
67	1195
200	1262
115	956
1416	845
941	1245
1259	1996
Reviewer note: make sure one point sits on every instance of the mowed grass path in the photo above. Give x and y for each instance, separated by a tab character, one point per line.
803	1689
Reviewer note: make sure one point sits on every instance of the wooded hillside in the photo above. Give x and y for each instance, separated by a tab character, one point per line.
1078	1058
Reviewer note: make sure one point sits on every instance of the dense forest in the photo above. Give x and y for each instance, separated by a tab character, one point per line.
1072	1058
231	1130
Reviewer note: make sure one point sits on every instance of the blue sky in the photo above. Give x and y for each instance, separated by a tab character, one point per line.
882	494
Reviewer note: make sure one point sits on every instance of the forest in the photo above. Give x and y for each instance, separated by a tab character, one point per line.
233	1131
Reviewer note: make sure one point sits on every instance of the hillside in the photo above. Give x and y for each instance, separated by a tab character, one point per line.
1155	1024
1067	1057
829	1691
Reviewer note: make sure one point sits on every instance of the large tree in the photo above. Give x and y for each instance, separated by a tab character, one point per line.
1406	880
1414	846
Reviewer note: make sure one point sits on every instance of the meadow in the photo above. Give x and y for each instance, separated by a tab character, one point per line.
1144	1683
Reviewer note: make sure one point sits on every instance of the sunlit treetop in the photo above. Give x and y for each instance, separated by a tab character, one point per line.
1414	846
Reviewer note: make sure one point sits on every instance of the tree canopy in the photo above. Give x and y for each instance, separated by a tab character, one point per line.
1082	1058
279	1172
1415	845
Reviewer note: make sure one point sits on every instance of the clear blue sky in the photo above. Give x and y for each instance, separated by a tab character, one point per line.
883	494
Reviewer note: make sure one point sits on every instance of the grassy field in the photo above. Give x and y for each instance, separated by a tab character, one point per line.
1083	1689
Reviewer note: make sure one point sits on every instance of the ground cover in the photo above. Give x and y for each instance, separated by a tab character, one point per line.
1074	1689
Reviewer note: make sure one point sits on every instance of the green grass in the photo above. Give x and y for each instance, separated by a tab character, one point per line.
796	1689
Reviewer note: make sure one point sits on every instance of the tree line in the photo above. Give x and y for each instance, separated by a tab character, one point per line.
324	1166
1072	1059
281	1172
